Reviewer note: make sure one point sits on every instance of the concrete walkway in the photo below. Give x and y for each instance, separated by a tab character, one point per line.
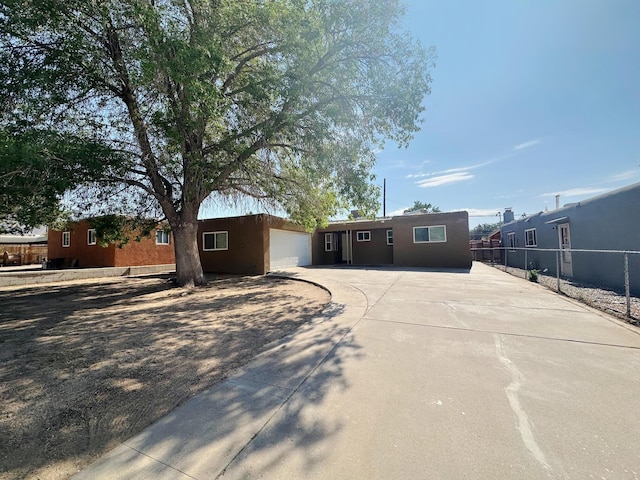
414	374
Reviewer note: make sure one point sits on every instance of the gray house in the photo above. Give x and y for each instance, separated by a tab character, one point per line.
607	222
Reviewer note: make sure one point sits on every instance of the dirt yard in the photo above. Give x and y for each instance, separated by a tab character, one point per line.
86	365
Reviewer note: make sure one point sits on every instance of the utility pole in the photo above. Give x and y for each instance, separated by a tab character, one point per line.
384	198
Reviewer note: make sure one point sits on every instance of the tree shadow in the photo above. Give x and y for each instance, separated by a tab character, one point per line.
84	367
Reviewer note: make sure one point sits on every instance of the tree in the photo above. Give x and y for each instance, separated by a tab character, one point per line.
283	101
38	167
483	229
419	206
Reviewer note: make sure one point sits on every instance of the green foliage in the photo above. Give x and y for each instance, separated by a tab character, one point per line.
483	229
283	101
119	230
38	166
421	206
533	275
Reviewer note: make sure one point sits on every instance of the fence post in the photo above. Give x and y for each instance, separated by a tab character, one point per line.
506	253
558	268
626	283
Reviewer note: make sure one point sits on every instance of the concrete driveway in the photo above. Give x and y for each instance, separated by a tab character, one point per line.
415	374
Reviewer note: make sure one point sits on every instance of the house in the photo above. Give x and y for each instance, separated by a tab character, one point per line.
78	246
22	249
252	244
607	222
487	249
436	240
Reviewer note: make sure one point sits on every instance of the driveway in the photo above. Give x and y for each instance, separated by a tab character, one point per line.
415	374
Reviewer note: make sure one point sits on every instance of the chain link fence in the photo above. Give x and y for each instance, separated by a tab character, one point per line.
605	279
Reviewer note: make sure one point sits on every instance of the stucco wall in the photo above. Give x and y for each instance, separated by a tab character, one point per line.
247	244
375	251
79	251
454	253
144	252
606	222
248	237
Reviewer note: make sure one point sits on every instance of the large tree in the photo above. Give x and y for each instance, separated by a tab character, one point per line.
284	101
423	207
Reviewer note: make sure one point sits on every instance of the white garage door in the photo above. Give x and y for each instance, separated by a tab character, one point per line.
289	249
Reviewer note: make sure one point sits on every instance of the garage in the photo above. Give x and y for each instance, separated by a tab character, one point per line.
288	249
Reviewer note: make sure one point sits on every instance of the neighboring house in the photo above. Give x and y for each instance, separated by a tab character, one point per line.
79	247
436	240
252	244
606	222
487	249
22	249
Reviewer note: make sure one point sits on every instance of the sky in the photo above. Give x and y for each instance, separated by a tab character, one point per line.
529	99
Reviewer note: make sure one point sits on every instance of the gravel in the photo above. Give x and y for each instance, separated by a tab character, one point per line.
606	300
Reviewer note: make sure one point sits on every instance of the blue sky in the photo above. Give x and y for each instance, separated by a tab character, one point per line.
530	98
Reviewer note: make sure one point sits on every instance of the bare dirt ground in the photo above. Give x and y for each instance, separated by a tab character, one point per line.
86	365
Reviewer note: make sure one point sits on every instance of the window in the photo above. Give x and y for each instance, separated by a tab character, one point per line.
66	239
364	236
328	242
530	239
434	234
215	241
389	237
91	236
511	241
162	237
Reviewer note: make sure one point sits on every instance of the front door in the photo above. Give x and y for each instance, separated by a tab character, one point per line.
566	268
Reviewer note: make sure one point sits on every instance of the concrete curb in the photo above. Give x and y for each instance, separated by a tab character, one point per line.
25	278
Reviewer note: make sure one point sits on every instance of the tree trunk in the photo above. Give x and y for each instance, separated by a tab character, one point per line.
188	265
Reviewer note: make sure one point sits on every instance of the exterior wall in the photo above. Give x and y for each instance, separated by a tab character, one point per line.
144	252
454	253
248	243
80	254
248	249
374	252
606	222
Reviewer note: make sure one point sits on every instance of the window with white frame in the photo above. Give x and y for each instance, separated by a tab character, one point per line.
91	236
431	234
389	237
363	236
162	237
530	239
511	240
212	241
66	239
328	242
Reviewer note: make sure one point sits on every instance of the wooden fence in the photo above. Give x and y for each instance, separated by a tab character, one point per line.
22	253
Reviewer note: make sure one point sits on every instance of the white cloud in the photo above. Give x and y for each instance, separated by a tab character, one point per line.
395	213
482	212
450	170
445	179
528	144
624	176
576	192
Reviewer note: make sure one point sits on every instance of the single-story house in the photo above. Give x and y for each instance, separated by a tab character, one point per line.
435	240
78	246
253	244
22	249
605	222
